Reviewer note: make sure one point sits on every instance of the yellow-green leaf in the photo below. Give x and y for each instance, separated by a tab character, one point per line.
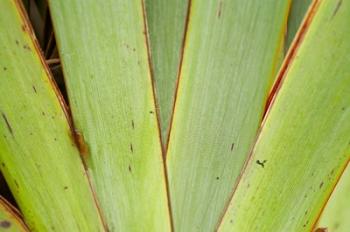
103	50
230	58
336	215
304	141
38	158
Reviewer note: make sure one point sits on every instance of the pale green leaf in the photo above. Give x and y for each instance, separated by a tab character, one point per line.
336	215
231	54
296	15
304	141
166	26
38	158
103	50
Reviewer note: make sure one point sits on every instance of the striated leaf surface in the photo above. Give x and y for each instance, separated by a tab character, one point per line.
38	157
224	82
303	146
336	215
166	26
103	50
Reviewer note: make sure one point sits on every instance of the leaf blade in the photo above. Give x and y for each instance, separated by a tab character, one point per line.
35	132
306	122
110	91
217	111
166	27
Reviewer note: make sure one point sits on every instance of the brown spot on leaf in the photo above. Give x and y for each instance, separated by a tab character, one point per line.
337	7
34	89
17	42
232	146
219	9
132	124
79	141
65	187
5	68
321	184
321	229
5	224
130	170
131	148
26	46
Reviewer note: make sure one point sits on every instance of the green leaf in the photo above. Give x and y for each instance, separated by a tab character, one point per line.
38	158
231	54
303	145
166	26
9	218
103	50
296	15
336	215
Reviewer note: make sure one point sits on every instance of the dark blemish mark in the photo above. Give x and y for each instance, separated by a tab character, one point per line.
132	124
24	27
337	8
78	140
7	123
321	229
217	178
5	68
16	183
55	139
321	184
129	168
34	89
2	164
65	187
261	163
5	224
151	112
26	47
232	146
43	113
306	212
17	42
134	49
219	10
231	221
131	148
307	222
343	108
